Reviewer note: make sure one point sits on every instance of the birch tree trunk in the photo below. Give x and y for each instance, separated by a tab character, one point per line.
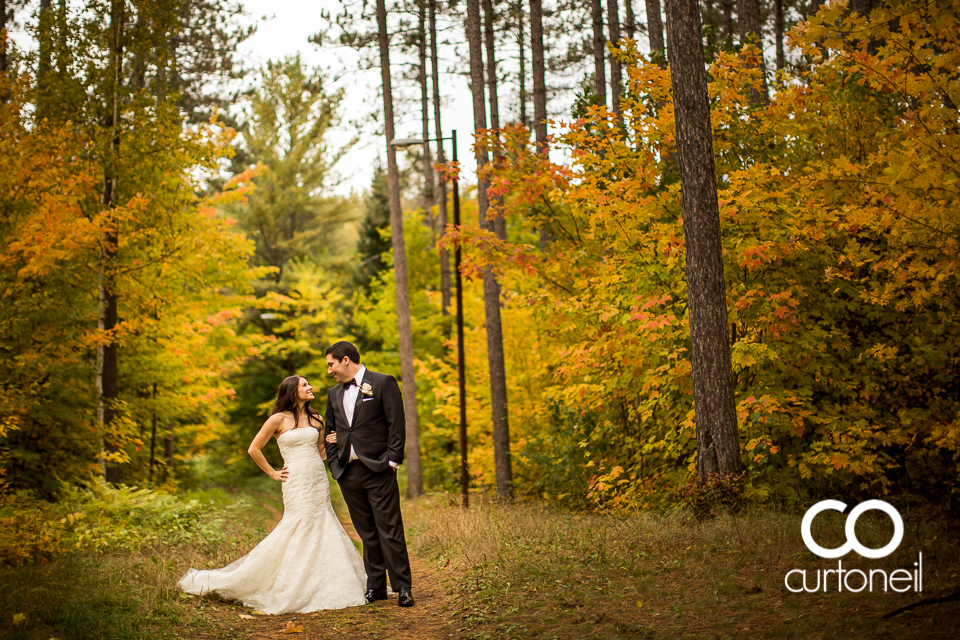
491	288
407	373
718	448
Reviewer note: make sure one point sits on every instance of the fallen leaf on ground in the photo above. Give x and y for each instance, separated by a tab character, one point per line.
292	629
246	617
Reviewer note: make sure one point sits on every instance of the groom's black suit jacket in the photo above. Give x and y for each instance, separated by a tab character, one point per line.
378	433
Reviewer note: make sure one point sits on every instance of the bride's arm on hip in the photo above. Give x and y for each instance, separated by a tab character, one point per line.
267	431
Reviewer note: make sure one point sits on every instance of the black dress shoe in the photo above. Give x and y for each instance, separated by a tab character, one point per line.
375	594
405	598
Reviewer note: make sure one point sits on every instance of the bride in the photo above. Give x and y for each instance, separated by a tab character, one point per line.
308	562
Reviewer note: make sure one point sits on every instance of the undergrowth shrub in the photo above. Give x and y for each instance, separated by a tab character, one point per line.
102	518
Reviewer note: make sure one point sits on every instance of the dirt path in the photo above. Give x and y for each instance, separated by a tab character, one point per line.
427	620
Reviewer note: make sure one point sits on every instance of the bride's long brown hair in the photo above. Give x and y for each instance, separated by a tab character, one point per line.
288	399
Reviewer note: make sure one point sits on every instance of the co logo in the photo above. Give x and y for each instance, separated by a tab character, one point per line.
852	543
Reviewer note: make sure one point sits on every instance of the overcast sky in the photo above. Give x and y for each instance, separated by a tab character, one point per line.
286	31
285	27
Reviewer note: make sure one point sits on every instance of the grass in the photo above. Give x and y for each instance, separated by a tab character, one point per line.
131	594
505	572
529	572
127	594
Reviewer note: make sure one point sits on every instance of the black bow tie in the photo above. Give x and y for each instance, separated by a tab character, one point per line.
349	383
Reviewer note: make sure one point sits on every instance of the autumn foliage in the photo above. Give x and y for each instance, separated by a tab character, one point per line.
840	242
180	274
838	202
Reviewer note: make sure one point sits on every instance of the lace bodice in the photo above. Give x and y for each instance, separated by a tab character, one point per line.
307	489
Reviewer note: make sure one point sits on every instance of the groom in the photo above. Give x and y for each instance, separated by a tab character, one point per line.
366	412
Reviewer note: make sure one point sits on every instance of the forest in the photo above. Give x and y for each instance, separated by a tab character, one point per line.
708	260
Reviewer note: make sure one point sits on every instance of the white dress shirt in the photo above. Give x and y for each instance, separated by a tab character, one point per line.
350	403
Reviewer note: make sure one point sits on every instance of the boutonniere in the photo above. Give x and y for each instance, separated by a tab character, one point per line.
366	389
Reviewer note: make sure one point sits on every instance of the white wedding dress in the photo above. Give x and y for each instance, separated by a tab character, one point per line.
308	562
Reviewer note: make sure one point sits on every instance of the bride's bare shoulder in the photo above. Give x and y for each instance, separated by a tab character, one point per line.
276	420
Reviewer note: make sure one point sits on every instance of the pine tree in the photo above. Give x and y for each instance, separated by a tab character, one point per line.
718	446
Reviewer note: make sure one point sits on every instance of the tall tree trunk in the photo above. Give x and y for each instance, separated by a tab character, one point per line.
718	449
491	288
491	47
778	31
62	60
616	77
169	449
139	72
522	76
407	373
539	90
441	185
3	46
655	31
812	9
864	8
727	19
599	51
748	18
498	224
45	42
428	198
108	381
630	20
153	433
153	427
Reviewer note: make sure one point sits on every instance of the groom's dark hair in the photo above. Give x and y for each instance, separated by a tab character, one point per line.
341	350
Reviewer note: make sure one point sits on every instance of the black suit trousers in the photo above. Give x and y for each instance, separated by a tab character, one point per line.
373	499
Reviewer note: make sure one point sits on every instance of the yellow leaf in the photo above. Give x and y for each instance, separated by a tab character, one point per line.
18	618
292	629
